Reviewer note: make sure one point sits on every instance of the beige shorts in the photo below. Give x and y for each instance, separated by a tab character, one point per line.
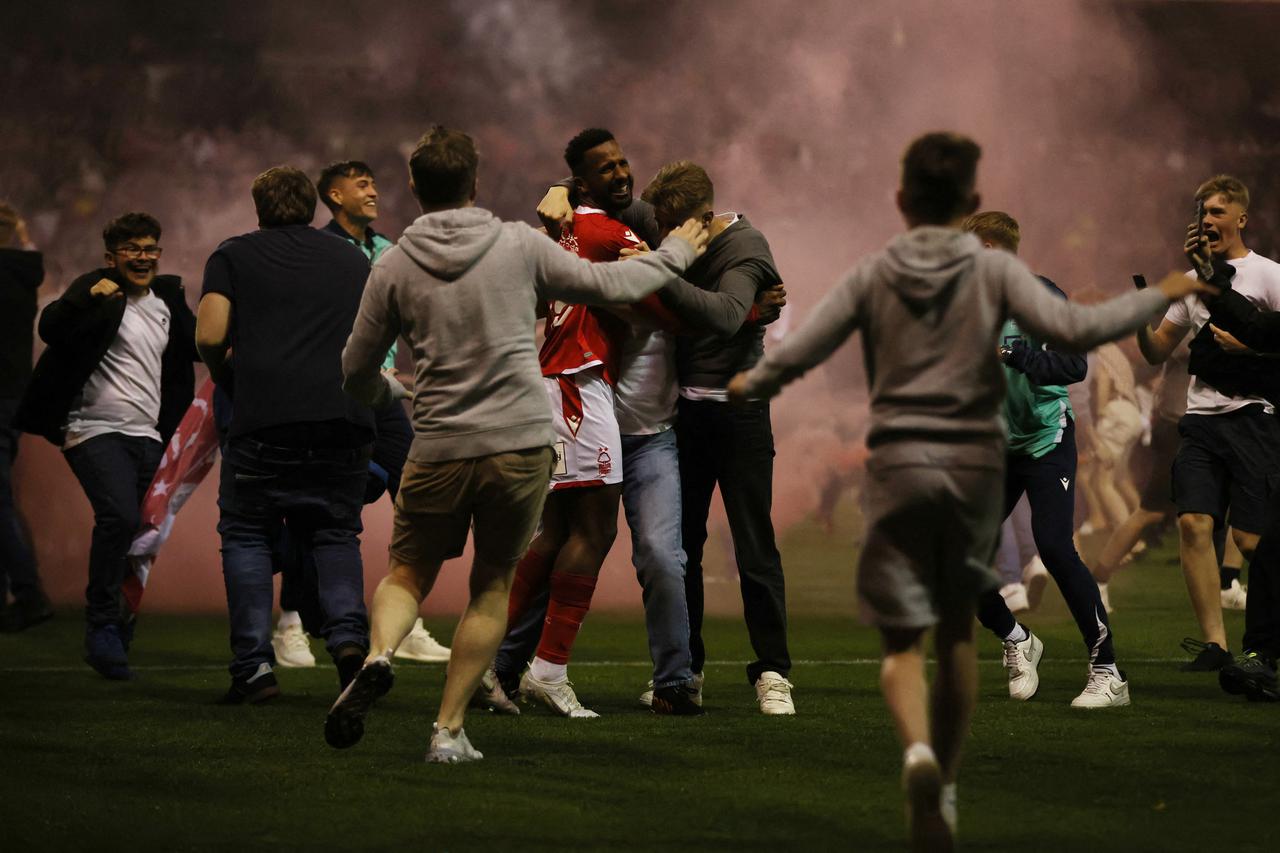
1118	428
500	496
931	537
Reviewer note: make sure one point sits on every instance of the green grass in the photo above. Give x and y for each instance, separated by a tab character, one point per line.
152	765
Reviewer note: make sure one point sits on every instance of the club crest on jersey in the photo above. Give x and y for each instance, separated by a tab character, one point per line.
605	461
569	241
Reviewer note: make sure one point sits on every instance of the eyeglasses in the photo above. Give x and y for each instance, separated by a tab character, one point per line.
130	251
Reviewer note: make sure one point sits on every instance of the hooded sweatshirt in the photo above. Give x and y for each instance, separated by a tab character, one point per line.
931	306
462	288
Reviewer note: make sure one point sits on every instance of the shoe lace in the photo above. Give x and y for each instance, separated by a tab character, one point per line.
1097	682
296	641
779	689
1012	657
564	692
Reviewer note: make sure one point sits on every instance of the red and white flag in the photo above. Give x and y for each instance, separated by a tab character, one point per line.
188	458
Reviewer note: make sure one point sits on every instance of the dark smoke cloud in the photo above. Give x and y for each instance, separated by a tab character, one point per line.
800	111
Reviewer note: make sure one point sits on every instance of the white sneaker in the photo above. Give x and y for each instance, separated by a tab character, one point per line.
1105	595
449	748
1235	596
773	692
421	646
292	648
1021	659
1035	577
1102	690
1015	597
927	823
490	695
695	685
556	695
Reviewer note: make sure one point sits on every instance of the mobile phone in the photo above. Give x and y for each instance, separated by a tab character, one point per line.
1199	221
1140	281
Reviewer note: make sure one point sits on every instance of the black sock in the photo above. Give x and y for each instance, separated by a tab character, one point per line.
1227	574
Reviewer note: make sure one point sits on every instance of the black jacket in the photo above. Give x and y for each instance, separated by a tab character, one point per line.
79	329
1234	374
20	275
1045	366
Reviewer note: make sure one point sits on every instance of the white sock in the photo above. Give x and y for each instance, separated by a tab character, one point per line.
918	751
546	671
288	618
1019	634
1109	667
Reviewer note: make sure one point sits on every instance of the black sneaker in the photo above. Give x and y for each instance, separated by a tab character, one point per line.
24	613
254	690
1209	657
675	701
348	660
104	651
344	726
1250	675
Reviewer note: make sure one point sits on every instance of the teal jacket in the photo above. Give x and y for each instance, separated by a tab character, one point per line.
373	247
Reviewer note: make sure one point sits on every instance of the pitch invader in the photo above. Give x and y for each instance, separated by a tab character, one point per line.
579	361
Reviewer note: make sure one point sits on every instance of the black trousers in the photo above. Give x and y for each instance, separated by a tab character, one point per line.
114	470
1262	610
732	447
1050	485
17	560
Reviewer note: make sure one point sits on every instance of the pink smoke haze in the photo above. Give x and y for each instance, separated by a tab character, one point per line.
799	111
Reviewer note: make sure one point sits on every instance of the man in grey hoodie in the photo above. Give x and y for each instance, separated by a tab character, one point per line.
930	307
462	288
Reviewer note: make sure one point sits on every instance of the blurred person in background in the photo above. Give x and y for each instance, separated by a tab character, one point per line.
21	272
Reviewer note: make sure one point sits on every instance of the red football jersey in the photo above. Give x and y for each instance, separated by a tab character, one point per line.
578	337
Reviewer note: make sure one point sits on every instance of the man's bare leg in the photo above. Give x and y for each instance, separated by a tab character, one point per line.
955	691
476	640
1122	541
395	604
1200	571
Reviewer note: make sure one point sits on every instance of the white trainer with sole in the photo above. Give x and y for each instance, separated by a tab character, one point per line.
1102	690
1235	596
1035	577
292	648
449	748
773	692
927	823
490	695
1021	659
421	646
556	695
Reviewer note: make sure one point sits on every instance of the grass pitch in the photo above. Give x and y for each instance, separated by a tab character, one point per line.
87	764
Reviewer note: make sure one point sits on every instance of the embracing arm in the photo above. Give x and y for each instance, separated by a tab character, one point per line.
374	331
1258	330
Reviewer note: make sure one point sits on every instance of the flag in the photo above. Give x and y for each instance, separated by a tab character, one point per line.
188	458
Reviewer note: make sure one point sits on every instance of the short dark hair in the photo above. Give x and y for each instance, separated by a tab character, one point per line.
578	147
128	227
444	166
341	169
680	188
284	195
995	226
939	171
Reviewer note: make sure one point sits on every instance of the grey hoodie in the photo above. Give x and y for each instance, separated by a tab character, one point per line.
930	307
462	287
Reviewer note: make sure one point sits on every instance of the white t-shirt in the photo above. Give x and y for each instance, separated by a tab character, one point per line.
645	397
123	393
1257	278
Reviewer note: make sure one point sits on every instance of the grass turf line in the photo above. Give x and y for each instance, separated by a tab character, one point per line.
152	765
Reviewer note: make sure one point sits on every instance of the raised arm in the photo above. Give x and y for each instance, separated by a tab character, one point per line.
561	275
721	311
828	326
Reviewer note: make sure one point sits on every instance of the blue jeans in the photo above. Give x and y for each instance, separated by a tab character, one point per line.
115	471
651	500
318	493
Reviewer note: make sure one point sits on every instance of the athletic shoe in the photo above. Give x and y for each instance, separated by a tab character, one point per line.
556	695
254	690
104	651
1105	595
24	613
449	748
1035	577
1087	529
773	692
1015	597
292	648
676	701
1234	596
1103	690
694	687
1250	675
1021	659
421	646
344	726
922	782
1209	657
491	696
